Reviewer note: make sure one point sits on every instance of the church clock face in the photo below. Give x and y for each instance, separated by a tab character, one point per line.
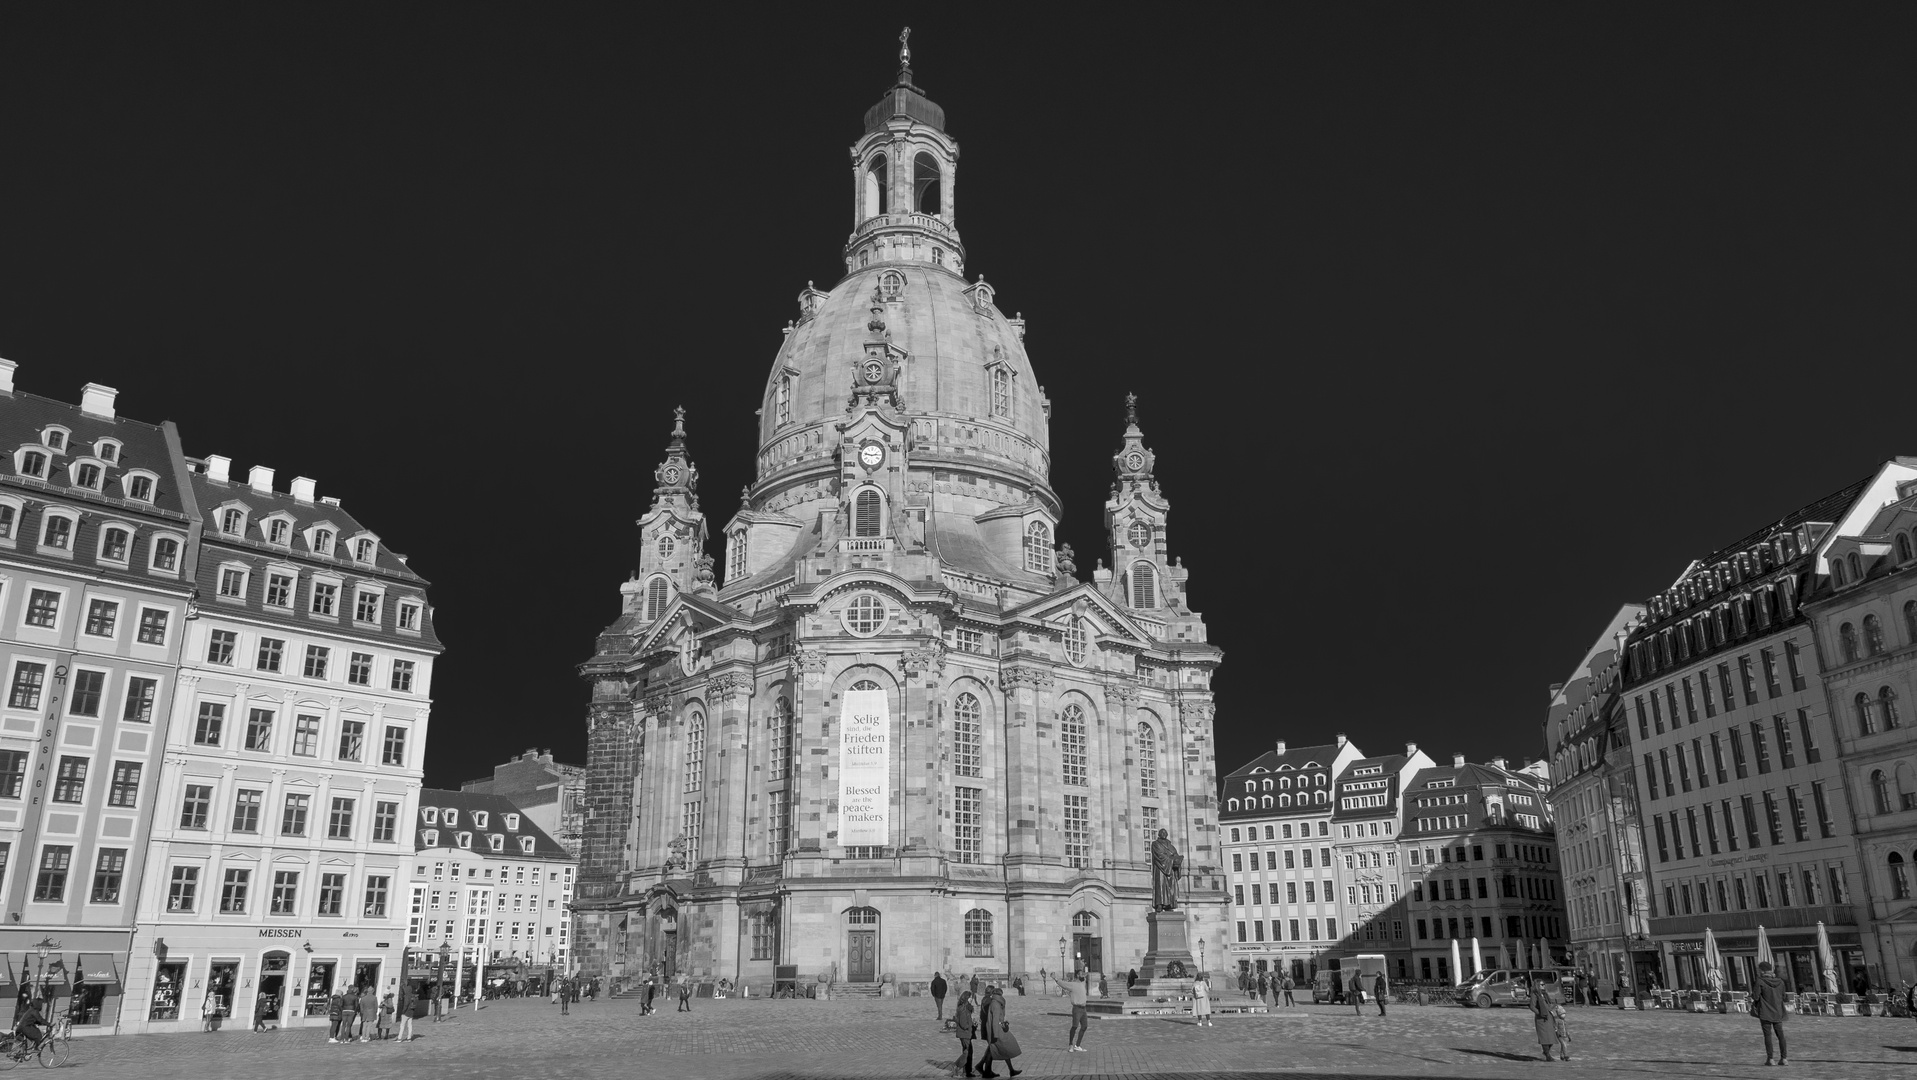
874	371
871	455
1135	461
671	475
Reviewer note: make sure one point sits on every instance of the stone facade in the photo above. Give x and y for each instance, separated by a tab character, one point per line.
894	568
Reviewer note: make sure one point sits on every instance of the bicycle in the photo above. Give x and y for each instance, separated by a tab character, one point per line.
52	1050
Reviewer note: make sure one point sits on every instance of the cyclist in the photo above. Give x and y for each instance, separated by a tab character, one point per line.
30	1025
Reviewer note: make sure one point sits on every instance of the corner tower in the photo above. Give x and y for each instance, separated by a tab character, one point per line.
672	535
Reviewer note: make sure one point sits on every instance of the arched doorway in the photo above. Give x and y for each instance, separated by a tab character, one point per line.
1088	949
666	954
862	945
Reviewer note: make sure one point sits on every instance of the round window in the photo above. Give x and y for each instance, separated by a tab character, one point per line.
865	615
1140	535
665	546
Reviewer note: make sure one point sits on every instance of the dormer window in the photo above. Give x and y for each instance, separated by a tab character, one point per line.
232	521
107	450
114	542
166	554
429	814
891	284
429	837
279	531
736	557
323	541
55	439
452	817
33	463
88	475
496	841
57	532
364	549
782	406
466	840
512	822
526	844
138	486
409	617
1002	392
479	819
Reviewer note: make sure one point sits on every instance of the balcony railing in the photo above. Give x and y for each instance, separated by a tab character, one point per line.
927	222
1770	918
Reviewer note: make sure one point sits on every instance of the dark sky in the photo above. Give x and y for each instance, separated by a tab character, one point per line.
1455	326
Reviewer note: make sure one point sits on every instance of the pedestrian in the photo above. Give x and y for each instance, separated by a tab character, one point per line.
1131	977
368	1014
1285	986
997	1032
1103	990
1244	981
404	1010
965	1022
262	1008
439	999
1078	988
685	993
385	1014
1357	988
938	996
1547	1017
210	1011
1378	989
1767	1004
335	1010
1201	1001
1259	987
652	989
975	988
349	1013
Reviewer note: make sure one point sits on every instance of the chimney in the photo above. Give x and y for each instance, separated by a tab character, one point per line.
1341	739
1497	763
302	489
1410	749
329	500
260	479
6	375
1281	748
218	468
97	400
1457	761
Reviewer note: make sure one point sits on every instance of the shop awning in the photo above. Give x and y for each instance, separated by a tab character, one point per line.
7	981
100	970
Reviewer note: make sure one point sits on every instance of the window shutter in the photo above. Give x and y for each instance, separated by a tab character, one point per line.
865	514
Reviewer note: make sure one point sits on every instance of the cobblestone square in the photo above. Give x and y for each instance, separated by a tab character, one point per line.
758	1040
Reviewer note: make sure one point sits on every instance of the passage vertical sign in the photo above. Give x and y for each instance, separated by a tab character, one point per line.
865	770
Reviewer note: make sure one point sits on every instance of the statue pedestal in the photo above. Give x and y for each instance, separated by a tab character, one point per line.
1168	970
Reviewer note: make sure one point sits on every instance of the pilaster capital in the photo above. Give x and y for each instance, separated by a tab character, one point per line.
927	660
729	685
809	661
1034	678
1122	694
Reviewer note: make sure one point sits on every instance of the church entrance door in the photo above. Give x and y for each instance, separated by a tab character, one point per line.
1090	952
863	956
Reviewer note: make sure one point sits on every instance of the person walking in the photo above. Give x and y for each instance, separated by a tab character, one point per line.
335	1010
1201	1001
262	1008
1767	1004
685	993
1078	988
1547	1018
938	996
1378	991
368	1014
1285	987
965	1022
976	992
652	990
993	1027
385	1015
1357	988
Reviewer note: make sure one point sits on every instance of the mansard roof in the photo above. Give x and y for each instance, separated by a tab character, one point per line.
143	447
496	807
1294	759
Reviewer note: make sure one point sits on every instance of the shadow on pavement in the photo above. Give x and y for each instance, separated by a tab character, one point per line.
1499	1054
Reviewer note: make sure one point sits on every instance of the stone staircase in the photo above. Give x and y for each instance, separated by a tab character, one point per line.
856	990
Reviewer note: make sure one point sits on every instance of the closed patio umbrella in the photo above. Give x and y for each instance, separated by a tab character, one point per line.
1764	947
1713	960
1477	957
1457	969
1544	953
1826	963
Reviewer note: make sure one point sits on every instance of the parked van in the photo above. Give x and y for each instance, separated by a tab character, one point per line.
1333	985
1510	986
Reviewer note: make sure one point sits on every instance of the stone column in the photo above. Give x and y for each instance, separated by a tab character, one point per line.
1121	769
809	791
728	732
922	782
1028	701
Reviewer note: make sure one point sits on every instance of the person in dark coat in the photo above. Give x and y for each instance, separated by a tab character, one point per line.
965	1021
1130	978
1357	988
1378	988
938	995
1547	1016
977	995
1767	1004
991	1023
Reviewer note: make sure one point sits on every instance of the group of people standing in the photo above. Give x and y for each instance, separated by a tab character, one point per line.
358	1014
1272	988
980	1013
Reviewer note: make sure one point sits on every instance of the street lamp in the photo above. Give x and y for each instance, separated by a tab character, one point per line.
46	945
1201	956
1061	958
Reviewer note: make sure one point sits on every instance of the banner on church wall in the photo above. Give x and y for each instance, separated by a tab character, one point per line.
865	770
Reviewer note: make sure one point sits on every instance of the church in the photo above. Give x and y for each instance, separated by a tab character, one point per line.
899	734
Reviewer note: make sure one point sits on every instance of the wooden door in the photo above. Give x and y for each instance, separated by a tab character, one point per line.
1090	952
863	965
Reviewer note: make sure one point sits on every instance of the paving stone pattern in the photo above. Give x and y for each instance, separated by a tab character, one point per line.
774	1040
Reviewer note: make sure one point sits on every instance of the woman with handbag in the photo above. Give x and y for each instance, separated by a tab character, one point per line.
965	1021
1201	1000
1000	1042
1547	1016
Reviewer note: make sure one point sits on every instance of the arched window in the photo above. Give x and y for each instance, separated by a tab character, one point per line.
1887	707
1324	796
1899	877
1855	566
783	407
1148	762
1266	804
1873	635
1144	585
657	594
1001	392
865	514
1903	548
1284	800
1847	642
1910	621
779	765
736	557
966	735
978	932
1084	920
695	752
926	197
865	684
1139	535
1866	724
1038	548
877	191
1880	789
1234	804
1071	744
